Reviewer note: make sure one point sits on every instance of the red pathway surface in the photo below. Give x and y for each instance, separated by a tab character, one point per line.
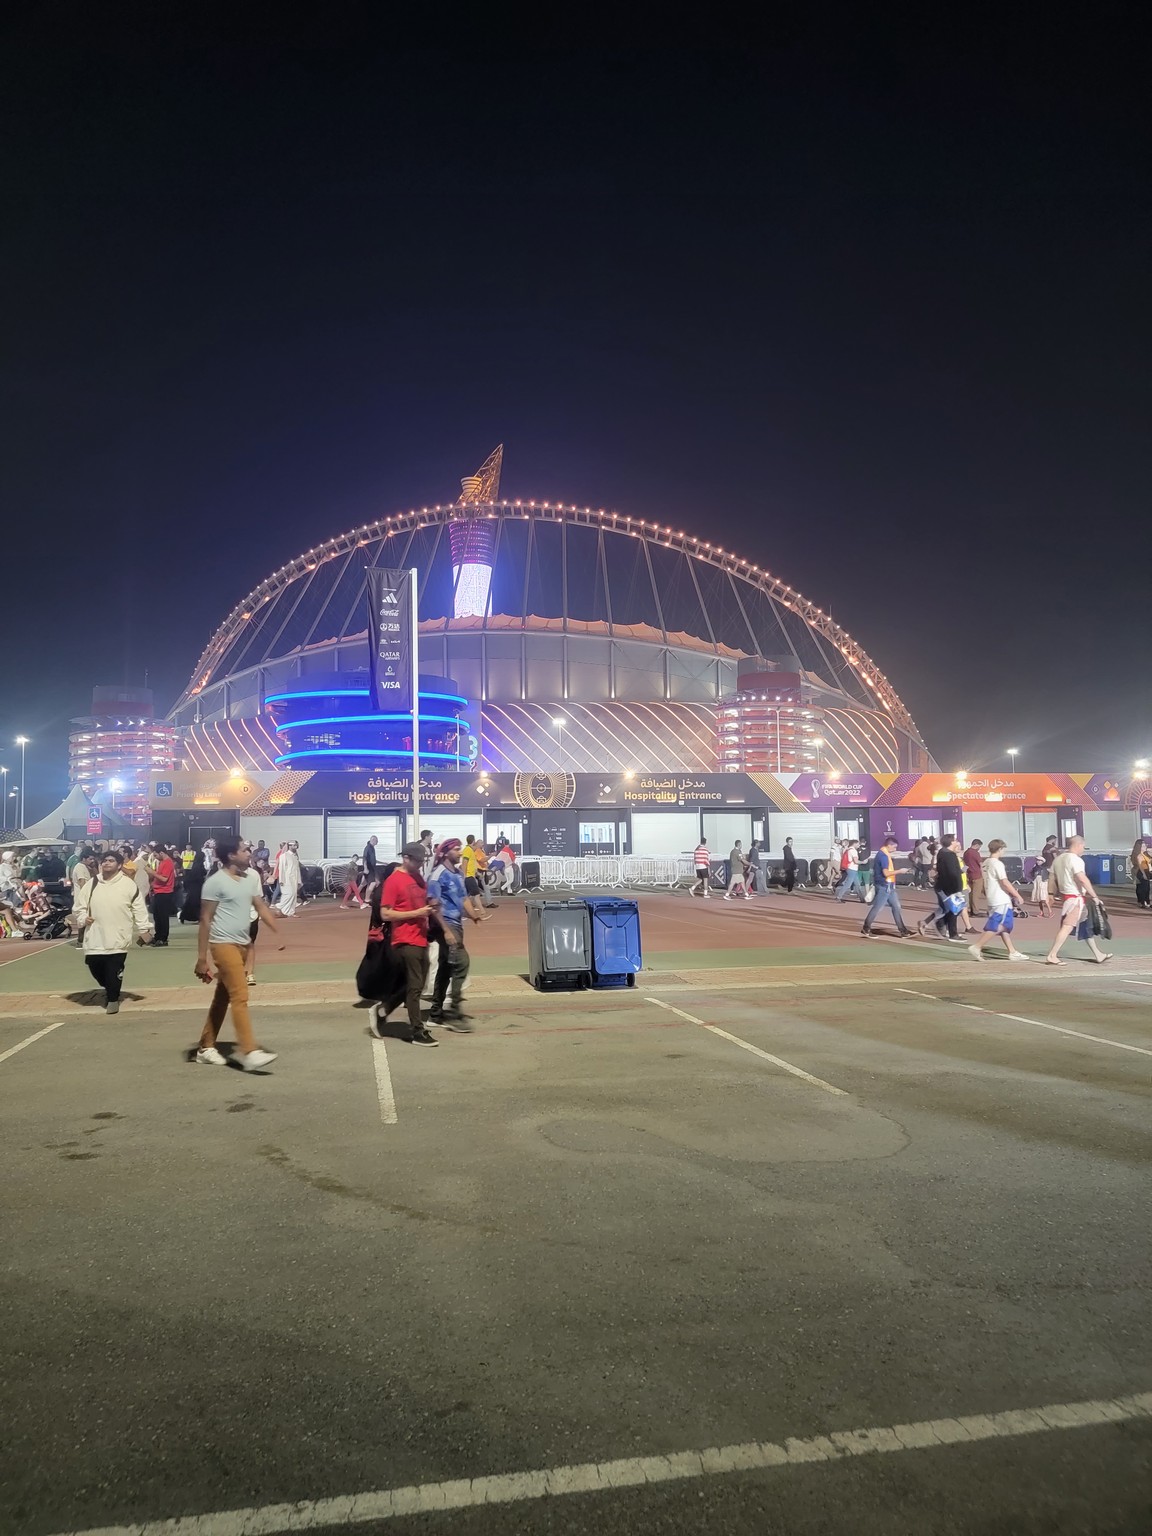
672	923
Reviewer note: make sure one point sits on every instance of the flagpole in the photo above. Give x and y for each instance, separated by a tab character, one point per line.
413	601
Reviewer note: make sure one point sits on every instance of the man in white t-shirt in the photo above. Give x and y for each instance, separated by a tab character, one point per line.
226	906
1073	891
1002	896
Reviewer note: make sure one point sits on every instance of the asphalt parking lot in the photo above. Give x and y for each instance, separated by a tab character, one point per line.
614	1238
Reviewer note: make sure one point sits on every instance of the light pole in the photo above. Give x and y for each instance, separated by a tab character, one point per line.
22	743
115	784
560	722
1013	752
4	771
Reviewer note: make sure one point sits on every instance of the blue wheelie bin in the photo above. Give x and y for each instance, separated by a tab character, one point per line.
616	953
1098	868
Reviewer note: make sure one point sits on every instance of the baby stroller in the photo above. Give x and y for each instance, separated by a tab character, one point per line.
44	915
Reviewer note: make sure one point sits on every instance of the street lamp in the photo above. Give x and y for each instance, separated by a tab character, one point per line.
560	722
1012	753
113	786
22	743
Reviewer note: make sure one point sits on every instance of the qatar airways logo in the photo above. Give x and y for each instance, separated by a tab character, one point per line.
818	790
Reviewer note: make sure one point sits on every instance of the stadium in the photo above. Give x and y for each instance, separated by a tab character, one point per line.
575	650
633	633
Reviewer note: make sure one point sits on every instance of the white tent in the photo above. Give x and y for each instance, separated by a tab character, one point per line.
67	823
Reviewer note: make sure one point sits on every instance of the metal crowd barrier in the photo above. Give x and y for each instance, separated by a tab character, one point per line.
612	872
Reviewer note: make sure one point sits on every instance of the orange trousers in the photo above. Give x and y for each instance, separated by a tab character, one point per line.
231	992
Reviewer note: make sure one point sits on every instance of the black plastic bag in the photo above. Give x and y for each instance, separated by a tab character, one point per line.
379	975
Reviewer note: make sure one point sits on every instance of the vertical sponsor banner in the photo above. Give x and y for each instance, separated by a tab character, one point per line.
390	639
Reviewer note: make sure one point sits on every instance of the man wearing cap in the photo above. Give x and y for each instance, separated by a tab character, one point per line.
404	903
884	879
447	887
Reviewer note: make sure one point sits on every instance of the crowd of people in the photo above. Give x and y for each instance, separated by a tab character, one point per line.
420	907
963	880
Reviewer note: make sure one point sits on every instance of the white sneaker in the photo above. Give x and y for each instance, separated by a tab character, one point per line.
727	898
256	1060
209	1056
975	951
1018	954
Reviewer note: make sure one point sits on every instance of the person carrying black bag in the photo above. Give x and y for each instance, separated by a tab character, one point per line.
949	888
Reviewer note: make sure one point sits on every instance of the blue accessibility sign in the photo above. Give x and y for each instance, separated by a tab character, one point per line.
164	789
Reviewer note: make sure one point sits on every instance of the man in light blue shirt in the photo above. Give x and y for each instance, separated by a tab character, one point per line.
446	887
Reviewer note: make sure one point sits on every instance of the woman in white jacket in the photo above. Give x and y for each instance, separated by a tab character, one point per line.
109	911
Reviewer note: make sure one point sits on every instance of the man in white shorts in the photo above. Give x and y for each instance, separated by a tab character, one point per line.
1073	890
1002	896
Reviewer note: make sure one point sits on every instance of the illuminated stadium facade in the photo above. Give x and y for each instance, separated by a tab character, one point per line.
553	639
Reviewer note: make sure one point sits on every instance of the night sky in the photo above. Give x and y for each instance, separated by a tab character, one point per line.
869	305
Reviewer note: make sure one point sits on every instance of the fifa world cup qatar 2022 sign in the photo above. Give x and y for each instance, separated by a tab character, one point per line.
390	632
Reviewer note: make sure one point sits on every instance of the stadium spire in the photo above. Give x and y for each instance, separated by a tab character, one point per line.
472	539
484	485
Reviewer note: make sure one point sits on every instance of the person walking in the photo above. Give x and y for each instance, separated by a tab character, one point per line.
447	887
162	875
790	862
921	864
85	870
1074	891
226	905
850	873
702	864
194	879
1040	877
1002	898
288	874
109	912
737	872
754	869
403	902
884	879
974	868
351	897
1141	864
369	864
948	885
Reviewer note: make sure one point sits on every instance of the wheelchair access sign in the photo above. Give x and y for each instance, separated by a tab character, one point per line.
164	789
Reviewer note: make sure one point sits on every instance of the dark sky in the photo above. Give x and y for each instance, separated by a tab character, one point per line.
869	304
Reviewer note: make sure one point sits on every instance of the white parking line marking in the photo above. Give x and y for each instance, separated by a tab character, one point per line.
39	1035
1132	983
817	1082
384	1083
1039	1024
638	1471
31	953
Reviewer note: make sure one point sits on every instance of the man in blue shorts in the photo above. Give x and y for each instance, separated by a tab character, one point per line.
1002	896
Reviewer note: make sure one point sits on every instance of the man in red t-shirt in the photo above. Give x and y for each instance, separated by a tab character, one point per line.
163	881
404	903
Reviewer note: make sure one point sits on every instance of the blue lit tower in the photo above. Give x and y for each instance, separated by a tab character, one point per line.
473	540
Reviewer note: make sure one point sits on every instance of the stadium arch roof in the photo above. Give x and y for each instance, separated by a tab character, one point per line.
568	565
